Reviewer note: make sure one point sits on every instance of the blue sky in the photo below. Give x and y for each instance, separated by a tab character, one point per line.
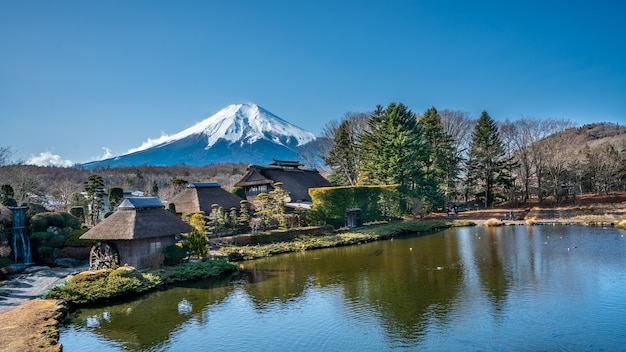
81	77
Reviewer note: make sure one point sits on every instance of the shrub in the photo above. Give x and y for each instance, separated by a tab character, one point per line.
42	236
239	192
4	261
493	222
40	222
173	255
56	241
154	260
80	253
46	254
72	239
78	213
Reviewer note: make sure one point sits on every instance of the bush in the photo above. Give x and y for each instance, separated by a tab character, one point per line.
174	255
239	192
97	286
79	253
56	241
4	261
40	222
46	254
42	237
72	239
154	260
78	213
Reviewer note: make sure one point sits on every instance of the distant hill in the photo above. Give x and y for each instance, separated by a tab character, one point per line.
591	135
239	133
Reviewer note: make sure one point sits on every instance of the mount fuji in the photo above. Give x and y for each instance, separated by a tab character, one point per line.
244	133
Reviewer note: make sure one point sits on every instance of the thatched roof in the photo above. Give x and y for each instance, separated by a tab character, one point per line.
200	196
138	218
295	180
6	216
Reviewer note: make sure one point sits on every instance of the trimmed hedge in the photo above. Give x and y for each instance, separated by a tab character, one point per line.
40	222
375	202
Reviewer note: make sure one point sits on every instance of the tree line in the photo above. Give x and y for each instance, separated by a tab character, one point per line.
440	158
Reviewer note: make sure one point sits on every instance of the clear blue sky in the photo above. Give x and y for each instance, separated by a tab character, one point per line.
80	76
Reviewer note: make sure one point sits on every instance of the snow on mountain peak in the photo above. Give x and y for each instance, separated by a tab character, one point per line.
239	123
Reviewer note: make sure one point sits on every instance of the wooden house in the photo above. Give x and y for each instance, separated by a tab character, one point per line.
139	227
295	179
200	197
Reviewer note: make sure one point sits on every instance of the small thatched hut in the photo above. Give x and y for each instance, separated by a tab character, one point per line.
200	197
295	180
139	227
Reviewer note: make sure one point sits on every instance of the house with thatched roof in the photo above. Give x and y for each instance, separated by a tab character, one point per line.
200	197
139	227
295	180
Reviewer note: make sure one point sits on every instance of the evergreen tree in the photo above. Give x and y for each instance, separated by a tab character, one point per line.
94	186
489	169
393	150
196	243
443	163
343	157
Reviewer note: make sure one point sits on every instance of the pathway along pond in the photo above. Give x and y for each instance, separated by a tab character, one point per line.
511	288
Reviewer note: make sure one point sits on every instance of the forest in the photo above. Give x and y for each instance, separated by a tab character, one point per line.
439	158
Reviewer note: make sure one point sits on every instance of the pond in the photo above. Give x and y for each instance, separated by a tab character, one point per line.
477	288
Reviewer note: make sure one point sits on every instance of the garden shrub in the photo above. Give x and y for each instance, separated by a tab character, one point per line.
154	260
5	261
174	255
56	241
72	239
42	237
78	213
79	253
46	254
40	222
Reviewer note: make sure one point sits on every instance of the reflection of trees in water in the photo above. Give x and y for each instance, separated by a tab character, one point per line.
404	287
491	268
150	320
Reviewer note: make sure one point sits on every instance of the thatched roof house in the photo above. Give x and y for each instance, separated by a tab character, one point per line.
139	227
200	197
295	180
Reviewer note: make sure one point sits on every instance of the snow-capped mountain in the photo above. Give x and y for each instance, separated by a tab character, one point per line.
244	133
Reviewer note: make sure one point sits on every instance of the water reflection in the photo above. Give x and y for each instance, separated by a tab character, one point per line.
470	288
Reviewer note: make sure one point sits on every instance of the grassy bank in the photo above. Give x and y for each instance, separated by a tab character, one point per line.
100	286
368	234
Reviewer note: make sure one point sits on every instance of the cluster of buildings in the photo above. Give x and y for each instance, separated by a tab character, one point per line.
142	225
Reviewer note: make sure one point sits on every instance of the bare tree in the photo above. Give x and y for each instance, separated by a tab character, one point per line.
5	155
459	126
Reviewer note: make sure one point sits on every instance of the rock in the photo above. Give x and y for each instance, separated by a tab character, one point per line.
34	269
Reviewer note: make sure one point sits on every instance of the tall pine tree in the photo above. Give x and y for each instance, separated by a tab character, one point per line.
443	163
393	149
488	168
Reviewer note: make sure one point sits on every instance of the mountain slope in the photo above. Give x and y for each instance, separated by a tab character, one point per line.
244	133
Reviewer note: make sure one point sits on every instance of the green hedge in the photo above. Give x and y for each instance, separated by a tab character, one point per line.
375	202
40	222
73	239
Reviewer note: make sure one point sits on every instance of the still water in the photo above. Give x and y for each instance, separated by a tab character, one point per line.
511	288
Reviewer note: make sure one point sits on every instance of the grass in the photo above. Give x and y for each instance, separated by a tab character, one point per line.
91	287
304	243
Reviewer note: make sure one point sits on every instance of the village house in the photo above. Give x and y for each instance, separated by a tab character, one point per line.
200	197
139	227
295	180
